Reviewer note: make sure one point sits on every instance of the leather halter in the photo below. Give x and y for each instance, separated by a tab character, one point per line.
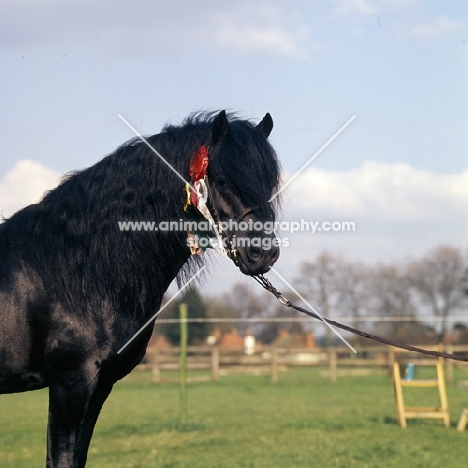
231	251
198	173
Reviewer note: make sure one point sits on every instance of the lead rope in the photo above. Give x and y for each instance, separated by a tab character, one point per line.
266	284
198	175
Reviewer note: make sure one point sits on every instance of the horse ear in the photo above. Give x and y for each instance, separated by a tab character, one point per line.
266	125
220	127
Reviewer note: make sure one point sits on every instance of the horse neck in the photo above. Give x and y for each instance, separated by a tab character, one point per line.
72	238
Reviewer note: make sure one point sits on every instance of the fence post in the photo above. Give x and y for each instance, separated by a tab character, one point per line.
332	361
183	362
449	364
390	359
274	364
215	363
155	367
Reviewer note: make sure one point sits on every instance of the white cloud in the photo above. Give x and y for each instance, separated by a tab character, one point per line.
360	7
440	27
381	191
273	41
155	28
261	29
399	212
24	184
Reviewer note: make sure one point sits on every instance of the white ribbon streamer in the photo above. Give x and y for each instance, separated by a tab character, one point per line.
202	195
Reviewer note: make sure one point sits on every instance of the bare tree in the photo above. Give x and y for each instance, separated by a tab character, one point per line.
391	297
353	289
318	283
246	304
217	307
439	280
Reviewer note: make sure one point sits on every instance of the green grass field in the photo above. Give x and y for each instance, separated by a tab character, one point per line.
245	421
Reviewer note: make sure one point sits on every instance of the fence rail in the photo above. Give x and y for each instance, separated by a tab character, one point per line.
336	362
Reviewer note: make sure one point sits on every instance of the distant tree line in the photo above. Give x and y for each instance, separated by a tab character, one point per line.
433	287
420	294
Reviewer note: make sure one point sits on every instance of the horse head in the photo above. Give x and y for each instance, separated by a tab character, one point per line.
240	173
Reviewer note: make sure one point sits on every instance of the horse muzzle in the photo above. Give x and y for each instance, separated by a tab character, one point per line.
254	255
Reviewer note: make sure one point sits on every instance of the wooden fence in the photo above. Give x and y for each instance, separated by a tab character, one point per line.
334	362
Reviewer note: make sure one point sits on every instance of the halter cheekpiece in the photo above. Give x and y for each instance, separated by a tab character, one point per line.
198	197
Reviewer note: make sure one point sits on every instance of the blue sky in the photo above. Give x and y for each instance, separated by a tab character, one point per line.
400	170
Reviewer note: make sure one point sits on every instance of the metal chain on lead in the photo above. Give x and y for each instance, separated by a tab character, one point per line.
266	283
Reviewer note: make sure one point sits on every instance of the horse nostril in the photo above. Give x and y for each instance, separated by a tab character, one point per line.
255	253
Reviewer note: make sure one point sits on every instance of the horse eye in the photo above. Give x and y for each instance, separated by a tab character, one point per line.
221	181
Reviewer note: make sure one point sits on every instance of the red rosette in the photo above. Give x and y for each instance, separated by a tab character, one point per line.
199	164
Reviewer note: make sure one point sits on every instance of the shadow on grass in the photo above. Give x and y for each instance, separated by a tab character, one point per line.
390	420
184	427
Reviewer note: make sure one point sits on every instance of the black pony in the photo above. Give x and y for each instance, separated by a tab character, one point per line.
75	288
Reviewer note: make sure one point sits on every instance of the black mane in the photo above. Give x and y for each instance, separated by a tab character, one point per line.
254	176
73	231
